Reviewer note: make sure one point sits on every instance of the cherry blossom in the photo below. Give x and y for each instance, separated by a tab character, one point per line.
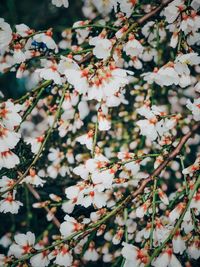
134	255
91	254
151	126
35	143
69	226
195	108
50	71
104	179
133	47
41	259
8	139
167	258
102	48
175	213
193	249
5	183
86	139
163	197
24	244
10	204
126	6
92	196
178	243
23	30
172	11
59	3
193	168
47	39
5	34
64	257
34	179
8	159
81	34
9	115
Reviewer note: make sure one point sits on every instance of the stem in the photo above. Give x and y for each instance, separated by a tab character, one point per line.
179	41
185	176
129	198
96	26
139	21
30	109
153	212
28	212
37	196
195	221
30	35
147	17
64	53
122	163
89	229
95	138
42	145
125	233
178	195
173	232
151	14
125	219
27	95
116	263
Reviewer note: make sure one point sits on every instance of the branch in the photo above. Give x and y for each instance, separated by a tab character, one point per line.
27	95
95	138
153	211
122	163
170	157
37	196
31	107
138	22
154	12
95	26
126	201
177	150
42	145
173	232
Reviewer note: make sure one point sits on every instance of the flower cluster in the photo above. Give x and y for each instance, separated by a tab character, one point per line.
99	159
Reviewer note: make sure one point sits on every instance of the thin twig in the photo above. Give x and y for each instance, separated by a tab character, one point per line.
154	12
95	138
139	21
31	107
20	179
153	211
173	232
185	176
95	26
34	90
37	196
127	200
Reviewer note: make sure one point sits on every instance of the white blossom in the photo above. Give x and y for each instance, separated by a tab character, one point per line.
59	3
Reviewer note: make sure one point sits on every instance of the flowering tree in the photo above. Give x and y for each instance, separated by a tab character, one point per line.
99	160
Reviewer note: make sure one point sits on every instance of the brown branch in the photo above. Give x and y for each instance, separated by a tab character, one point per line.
85	58
138	22
177	150
37	196
144	183
153	12
126	201
169	158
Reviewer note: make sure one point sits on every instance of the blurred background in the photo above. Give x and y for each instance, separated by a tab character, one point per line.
39	15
